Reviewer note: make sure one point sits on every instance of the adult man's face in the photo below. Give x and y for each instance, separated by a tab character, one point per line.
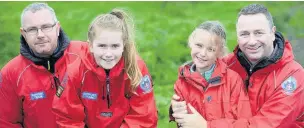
40	32
255	36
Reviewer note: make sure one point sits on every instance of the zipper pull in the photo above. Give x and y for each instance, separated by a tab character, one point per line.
49	65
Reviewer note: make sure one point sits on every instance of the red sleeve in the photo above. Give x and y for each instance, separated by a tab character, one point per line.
177	92
69	109
281	110
239	105
11	108
143	111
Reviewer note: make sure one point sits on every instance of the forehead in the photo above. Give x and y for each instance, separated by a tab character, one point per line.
37	18
252	22
203	37
108	37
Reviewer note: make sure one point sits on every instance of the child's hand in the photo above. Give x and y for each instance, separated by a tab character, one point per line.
178	107
194	120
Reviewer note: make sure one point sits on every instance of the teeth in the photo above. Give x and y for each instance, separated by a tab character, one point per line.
200	59
108	60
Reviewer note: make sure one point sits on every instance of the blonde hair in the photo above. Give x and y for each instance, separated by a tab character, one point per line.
217	29
119	20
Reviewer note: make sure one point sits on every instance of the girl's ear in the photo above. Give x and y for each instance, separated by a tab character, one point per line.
90	46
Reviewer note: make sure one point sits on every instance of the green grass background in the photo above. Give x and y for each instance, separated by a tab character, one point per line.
162	29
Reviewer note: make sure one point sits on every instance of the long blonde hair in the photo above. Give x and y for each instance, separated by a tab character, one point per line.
118	19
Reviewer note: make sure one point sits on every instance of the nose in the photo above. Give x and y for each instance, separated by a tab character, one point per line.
252	40
108	54
40	34
203	52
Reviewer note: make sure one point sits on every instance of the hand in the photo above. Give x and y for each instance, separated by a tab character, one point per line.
194	120
178	107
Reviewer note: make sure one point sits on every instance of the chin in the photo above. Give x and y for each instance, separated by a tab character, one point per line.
107	66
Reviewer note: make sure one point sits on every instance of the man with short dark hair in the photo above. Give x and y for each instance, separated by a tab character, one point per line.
30	81
265	61
273	79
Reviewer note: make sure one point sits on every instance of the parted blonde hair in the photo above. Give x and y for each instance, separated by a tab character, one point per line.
119	20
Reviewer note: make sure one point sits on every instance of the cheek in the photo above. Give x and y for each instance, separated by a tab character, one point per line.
97	51
194	51
241	44
241	41
212	55
118	52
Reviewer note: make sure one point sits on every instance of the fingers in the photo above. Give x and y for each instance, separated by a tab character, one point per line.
179	116
193	110
175	97
179	107
180	121
181	110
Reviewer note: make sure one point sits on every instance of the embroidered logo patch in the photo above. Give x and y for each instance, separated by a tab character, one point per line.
89	95
145	84
289	85
37	95
106	114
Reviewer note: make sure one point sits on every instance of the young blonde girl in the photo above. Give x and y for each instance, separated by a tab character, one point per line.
206	92
111	87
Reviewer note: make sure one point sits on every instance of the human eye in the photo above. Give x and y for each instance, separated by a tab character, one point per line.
31	30
259	33
115	45
198	45
210	49
244	34
102	45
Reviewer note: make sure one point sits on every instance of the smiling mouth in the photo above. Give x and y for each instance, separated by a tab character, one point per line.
200	59
253	49
40	43
108	60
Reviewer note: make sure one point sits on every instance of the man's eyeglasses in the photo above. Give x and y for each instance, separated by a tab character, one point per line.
43	28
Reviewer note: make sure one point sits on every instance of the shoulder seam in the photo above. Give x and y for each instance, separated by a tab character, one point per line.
22	74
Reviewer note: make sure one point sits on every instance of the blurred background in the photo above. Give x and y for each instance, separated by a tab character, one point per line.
162	30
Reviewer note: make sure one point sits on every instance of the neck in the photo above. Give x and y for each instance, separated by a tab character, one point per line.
203	70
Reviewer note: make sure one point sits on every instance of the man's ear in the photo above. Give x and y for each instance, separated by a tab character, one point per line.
22	32
273	30
58	28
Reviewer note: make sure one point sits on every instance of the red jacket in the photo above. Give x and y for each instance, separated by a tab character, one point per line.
87	101
27	90
220	100
275	89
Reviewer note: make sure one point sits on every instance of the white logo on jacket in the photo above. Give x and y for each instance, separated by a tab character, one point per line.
145	84
37	95
89	95
289	85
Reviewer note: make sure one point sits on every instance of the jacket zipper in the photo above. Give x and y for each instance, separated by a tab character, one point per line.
108	91
247	80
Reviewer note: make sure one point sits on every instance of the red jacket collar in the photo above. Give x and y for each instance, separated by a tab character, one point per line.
196	79
91	65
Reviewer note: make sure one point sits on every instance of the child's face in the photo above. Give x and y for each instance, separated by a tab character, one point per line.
107	48
204	51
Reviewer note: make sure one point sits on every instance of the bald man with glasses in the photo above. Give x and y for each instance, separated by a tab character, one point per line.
29	82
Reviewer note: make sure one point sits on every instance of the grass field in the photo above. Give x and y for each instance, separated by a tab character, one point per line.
161	34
